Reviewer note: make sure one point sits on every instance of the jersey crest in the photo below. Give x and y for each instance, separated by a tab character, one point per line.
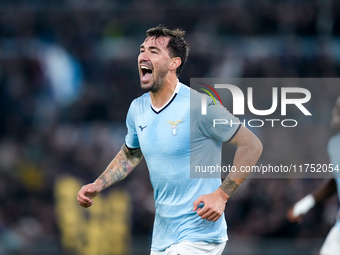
174	127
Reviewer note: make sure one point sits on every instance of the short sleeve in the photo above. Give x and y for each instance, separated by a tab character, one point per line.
131	138
219	123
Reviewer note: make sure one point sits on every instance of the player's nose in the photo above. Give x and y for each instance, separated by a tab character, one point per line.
143	56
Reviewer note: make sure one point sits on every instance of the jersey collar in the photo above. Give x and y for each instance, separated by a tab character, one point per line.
158	110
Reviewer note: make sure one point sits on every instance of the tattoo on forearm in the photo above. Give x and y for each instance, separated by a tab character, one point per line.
229	186
121	166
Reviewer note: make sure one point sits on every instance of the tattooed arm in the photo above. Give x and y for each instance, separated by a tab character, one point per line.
124	162
249	149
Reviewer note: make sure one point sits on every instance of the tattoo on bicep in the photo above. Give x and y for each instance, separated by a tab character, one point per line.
229	186
132	154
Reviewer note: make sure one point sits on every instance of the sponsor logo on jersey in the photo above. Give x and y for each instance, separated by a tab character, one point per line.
141	127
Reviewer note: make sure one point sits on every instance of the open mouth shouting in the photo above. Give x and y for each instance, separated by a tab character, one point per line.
146	73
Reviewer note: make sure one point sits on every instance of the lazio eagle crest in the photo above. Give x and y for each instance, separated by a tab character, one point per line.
174	128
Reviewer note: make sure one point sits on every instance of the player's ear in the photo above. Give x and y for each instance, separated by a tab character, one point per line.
175	62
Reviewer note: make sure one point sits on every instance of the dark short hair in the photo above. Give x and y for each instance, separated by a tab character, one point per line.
177	45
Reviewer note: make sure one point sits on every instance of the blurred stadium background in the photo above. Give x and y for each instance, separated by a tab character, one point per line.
68	72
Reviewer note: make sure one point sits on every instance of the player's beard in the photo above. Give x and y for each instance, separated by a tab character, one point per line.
158	81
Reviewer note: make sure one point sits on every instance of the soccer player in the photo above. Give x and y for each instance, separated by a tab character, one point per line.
331	246
169	133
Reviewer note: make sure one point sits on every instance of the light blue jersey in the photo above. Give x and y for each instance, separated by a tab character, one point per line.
164	138
334	156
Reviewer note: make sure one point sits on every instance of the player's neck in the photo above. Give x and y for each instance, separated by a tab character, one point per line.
161	97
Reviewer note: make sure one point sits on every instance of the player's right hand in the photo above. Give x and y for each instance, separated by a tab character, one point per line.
87	193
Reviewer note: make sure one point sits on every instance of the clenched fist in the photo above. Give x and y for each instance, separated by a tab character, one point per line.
87	193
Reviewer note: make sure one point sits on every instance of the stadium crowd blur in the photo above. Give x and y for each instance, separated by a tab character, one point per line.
68	72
